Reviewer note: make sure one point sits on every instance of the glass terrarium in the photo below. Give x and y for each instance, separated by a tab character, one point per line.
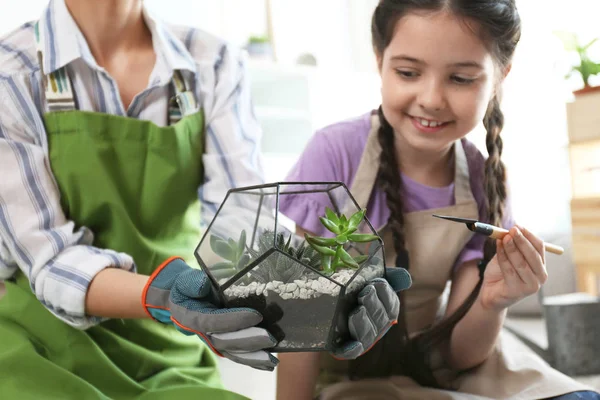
303	285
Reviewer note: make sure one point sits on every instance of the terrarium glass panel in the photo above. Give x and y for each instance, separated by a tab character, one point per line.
241	219
304	286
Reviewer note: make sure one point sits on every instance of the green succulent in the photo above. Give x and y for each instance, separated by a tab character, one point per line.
234	253
334	256
587	68
282	267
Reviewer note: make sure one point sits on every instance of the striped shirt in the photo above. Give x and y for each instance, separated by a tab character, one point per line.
35	236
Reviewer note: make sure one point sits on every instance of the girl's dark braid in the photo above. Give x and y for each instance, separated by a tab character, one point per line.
390	181
402	357
494	175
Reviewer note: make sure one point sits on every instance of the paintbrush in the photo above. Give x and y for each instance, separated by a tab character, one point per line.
494	231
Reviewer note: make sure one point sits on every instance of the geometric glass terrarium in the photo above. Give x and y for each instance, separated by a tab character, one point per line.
303	285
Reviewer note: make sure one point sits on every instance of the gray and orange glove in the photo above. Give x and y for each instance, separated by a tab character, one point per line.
179	295
378	309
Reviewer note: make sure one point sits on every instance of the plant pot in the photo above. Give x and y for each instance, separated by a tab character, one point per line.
260	50
586	90
278	273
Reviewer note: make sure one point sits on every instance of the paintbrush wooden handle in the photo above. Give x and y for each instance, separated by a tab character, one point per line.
499	233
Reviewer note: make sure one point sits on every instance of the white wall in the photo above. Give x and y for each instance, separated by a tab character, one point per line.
337	33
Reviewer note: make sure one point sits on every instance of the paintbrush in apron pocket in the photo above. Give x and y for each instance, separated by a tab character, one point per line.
493	231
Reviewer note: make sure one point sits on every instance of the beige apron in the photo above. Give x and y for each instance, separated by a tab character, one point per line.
434	246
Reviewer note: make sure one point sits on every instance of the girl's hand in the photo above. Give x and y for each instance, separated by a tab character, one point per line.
517	270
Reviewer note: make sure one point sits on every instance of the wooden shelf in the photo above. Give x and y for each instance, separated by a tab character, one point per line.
585	217
583	118
585	168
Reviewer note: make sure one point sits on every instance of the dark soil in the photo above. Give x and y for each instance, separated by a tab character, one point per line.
298	324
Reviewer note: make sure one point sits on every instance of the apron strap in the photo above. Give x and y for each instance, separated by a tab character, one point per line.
366	174
462	181
60	96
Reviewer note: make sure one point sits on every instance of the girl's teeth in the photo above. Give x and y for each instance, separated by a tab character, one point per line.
431	124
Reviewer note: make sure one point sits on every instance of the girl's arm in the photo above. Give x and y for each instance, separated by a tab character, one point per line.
516	271
297	375
473	337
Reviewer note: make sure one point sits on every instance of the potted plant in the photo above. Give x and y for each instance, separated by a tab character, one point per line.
259	46
586	67
304	286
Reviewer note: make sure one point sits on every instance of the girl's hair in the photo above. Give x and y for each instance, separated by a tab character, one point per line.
500	27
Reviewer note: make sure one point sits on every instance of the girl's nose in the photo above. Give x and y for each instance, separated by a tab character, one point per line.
432	96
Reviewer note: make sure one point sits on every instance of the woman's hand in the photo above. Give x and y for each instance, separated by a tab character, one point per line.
517	270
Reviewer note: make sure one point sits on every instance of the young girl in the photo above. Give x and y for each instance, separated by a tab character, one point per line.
441	63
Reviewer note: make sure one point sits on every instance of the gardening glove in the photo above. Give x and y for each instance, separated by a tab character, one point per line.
179	295
377	311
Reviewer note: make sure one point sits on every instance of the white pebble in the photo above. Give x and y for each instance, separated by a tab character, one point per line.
291	287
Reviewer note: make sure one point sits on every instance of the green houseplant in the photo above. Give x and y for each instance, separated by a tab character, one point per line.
586	67
259	46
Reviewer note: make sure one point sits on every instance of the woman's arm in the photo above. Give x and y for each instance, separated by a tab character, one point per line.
52	252
115	293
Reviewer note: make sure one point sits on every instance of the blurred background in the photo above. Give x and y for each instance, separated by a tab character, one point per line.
312	65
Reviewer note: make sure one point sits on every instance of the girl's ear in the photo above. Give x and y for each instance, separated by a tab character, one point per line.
503	74
379	58
506	71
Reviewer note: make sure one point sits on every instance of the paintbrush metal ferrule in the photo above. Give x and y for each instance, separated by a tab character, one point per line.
484	229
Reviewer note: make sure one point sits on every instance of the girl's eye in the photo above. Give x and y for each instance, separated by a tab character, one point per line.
407	74
461	80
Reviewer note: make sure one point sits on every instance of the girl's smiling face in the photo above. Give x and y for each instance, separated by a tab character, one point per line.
437	80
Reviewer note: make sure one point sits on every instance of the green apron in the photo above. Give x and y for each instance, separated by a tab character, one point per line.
134	184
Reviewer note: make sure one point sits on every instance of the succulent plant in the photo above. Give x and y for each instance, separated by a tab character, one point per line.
234	253
586	68
334	256
284	267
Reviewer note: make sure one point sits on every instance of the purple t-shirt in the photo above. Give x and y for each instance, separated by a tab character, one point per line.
334	153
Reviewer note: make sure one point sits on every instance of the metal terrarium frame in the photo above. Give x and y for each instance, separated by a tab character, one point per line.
276	190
